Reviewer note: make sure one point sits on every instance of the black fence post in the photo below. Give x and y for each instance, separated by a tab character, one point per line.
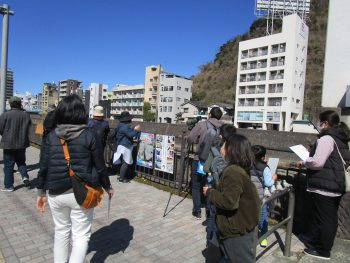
182	160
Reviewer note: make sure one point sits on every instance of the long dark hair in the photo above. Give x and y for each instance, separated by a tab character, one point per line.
71	110
239	152
333	120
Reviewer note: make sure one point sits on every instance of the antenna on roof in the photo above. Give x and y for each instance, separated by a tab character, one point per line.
277	9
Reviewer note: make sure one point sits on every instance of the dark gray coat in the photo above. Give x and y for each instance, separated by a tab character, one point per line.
14	129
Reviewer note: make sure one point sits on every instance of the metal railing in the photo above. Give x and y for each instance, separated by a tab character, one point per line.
288	221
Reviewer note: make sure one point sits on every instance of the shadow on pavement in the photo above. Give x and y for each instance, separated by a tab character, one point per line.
32	167
110	240
212	254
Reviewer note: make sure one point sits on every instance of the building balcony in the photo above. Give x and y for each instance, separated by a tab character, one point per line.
252	66
251	79
263	52
262	65
275	103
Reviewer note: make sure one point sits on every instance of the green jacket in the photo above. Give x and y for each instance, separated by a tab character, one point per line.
237	203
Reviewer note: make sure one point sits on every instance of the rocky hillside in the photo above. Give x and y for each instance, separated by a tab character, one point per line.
216	81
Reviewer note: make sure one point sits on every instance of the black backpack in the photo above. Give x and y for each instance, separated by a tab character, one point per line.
100	130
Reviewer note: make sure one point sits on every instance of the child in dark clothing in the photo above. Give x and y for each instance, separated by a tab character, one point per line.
263	172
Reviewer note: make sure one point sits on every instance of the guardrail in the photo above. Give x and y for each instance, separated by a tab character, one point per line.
288	221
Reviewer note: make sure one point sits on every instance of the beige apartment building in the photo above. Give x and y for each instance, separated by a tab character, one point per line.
152	79
49	95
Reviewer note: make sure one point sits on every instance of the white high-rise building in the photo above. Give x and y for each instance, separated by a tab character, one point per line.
128	98
174	90
271	78
97	92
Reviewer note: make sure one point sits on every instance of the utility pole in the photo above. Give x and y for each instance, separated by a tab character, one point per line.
5	11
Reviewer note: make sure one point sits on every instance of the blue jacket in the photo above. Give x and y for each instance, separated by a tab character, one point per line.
125	135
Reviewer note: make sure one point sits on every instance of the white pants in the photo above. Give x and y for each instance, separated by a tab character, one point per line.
69	217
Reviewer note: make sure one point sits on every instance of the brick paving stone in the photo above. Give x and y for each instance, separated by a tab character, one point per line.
135	232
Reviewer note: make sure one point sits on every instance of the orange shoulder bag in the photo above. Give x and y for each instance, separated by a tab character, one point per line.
86	195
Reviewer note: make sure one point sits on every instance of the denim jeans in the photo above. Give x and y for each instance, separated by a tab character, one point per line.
263	223
71	220
212	230
198	182
11	157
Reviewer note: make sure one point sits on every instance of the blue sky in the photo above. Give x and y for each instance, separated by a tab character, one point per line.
112	41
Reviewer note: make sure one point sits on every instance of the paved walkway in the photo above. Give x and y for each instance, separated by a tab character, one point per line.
135	232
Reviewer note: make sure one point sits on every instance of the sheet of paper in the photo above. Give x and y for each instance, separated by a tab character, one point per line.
301	151
273	164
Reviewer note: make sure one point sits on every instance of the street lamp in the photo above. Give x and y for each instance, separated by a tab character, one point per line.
5	11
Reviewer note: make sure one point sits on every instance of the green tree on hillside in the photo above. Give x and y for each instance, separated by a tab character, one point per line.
147	114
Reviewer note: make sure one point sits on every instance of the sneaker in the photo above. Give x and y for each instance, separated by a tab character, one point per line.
123	181
313	253
279	186
197	215
8	189
26	183
263	243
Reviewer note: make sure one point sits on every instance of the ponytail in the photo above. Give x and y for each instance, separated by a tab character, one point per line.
343	129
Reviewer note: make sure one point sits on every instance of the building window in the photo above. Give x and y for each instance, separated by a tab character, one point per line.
178	88
244	54
186	89
171	88
185	110
170	108
273	116
160	109
165	108
250	116
178	99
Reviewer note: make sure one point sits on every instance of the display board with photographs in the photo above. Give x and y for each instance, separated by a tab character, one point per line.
164	153
145	151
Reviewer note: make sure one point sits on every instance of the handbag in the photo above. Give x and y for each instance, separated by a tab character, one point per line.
346	171
86	195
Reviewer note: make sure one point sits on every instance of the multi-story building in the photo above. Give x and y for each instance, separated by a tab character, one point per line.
151	86
86	99
68	87
49	95
40	98
193	109
9	84
98	92
271	78
128	98
173	91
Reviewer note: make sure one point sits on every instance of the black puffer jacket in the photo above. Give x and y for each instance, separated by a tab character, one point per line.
86	158
331	177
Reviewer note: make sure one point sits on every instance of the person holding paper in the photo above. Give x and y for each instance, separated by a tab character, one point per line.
265	179
326	183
